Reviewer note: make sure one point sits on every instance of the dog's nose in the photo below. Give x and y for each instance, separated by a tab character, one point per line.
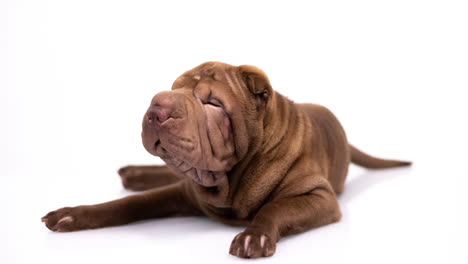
164	106
158	113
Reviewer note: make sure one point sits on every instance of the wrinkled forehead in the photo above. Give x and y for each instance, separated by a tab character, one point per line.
209	70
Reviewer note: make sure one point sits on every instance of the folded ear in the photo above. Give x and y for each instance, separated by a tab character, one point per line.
256	80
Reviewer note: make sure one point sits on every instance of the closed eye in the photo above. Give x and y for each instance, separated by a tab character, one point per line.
214	102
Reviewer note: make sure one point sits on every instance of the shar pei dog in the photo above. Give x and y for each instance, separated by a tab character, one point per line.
238	152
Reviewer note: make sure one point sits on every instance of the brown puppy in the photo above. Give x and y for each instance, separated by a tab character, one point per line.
238	152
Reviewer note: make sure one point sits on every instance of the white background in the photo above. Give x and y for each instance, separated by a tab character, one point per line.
77	76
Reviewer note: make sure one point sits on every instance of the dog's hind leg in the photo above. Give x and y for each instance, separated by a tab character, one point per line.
141	178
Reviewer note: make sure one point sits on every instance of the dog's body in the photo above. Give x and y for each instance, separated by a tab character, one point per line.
237	152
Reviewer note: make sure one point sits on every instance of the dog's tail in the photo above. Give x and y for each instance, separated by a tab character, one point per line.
362	159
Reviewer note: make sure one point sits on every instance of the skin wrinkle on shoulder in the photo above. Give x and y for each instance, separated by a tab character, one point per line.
257	186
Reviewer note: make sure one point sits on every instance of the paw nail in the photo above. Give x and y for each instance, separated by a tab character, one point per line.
65	219
269	252
262	241
246	242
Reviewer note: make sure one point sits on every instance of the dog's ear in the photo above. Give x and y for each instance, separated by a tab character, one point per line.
256	80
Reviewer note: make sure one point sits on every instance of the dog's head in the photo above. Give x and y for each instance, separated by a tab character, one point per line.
209	120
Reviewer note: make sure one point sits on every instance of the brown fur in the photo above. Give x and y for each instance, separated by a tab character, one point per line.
287	164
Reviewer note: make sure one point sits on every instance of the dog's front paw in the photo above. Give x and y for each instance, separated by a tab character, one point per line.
67	219
252	245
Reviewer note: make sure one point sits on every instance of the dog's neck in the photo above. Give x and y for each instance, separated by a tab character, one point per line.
278	123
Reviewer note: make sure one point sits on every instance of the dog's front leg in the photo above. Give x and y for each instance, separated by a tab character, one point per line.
171	200
283	217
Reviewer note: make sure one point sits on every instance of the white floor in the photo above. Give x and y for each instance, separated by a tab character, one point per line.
76	78
393	216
